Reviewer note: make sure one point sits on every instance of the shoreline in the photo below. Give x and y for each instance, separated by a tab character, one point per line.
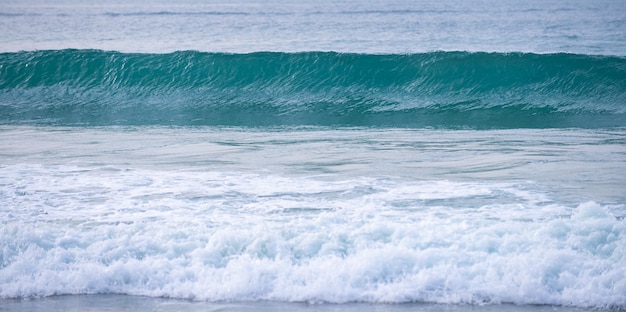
116	302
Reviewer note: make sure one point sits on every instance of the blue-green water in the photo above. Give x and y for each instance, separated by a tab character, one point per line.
396	155
439	89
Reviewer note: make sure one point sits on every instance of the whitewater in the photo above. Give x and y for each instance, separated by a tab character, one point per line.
362	155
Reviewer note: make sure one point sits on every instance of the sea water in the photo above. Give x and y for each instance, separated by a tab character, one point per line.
366	26
355	153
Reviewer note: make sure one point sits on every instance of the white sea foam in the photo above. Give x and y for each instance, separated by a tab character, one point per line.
243	236
324	215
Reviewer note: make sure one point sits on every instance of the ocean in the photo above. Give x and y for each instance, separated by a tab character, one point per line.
327	156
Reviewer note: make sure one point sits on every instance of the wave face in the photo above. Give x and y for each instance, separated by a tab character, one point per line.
437	89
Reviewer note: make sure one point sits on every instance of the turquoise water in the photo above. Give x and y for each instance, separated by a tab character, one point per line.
439	89
402	155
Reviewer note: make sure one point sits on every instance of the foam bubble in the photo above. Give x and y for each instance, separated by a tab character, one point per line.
234	236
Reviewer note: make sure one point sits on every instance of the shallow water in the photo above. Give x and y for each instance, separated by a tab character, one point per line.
99	303
315	214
